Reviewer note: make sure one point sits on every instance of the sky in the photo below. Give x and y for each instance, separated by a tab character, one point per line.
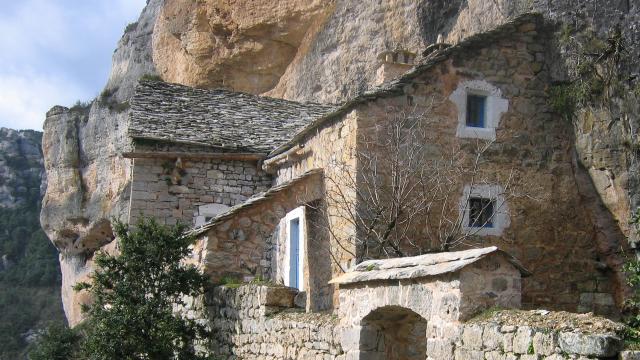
56	52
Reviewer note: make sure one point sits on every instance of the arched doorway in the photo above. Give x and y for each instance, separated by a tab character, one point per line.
400	333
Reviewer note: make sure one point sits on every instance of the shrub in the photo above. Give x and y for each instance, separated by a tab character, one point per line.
134	293
80	105
151	77
131	27
57	342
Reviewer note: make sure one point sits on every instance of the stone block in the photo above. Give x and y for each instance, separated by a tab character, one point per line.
590	345
465	354
554	357
472	337
439	348
507	342
522	340
544	343
215	174
530	357
629	355
300	300
492	338
277	296
359	338
491	355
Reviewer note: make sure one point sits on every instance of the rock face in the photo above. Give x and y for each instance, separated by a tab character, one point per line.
21	167
318	50
87	177
238	44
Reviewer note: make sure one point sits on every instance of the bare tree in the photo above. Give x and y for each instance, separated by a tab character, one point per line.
411	193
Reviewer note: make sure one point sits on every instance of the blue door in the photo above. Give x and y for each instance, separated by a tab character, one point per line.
294	253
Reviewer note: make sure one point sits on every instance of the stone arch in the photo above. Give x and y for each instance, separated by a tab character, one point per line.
391	333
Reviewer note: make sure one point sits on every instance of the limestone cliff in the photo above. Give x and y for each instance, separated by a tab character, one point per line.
87	177
319	50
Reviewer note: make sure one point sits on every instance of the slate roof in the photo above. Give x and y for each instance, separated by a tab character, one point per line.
396	86
227	120
420	266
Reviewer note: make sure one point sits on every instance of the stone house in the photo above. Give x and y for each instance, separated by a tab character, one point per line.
253	176
550	230
196	153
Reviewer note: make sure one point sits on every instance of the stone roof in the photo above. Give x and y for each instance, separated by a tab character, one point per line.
396	86
254	200
420	266
227	120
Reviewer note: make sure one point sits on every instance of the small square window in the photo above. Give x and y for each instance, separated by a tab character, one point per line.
476	110
481	212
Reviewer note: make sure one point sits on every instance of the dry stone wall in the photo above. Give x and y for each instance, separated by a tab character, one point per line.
556	236
254	321
258	322
239	243
172	191
492	341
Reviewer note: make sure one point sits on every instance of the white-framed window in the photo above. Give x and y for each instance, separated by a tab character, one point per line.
483	210
480	106
295	254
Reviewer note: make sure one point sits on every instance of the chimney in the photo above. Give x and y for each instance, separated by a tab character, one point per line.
392	64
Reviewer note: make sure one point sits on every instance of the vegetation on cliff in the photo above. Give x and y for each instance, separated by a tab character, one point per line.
29	270
135	295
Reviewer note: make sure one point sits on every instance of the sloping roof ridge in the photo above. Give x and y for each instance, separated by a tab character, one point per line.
395	86
257	198
422	266
165	84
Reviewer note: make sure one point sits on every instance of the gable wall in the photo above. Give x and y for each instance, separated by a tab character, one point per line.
161	190
550	229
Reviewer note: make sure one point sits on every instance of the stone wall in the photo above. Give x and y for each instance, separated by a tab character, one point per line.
492	341
239	243
259	322
334	141
553	229
172	190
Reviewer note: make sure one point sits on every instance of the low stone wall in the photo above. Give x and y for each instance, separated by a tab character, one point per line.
260	322
493	342
255	321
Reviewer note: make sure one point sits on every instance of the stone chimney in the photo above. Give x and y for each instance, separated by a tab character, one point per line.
392	64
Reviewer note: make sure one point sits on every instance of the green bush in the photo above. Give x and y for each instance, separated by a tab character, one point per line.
131	27
57	342
134	293
151	77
